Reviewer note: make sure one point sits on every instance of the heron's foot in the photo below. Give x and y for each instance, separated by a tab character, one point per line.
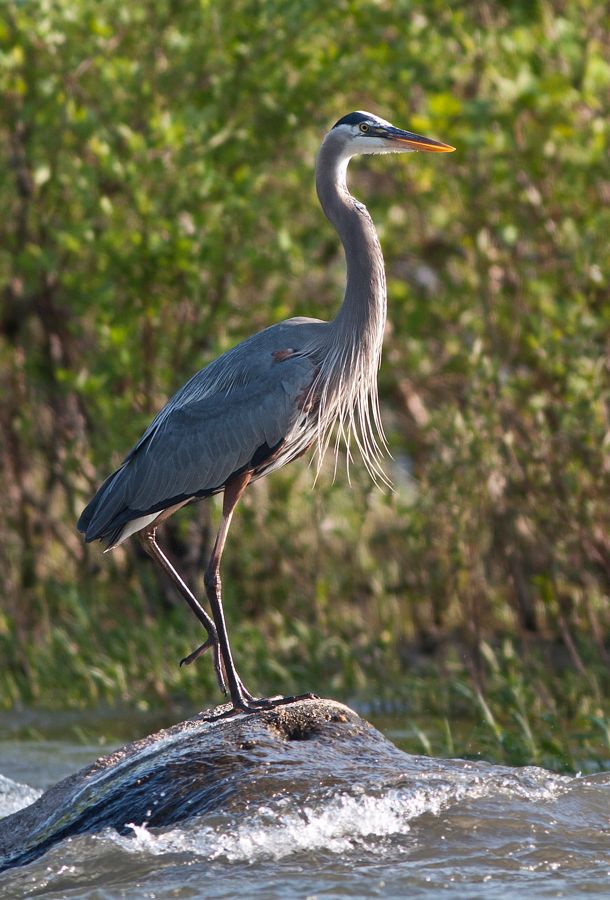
248	703
212	642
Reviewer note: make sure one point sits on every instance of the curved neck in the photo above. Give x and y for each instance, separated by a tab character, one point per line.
361	318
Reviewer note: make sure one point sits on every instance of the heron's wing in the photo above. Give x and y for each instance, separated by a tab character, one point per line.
250	363
203	436
201	442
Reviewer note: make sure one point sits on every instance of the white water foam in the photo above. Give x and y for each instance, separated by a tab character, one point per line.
273	834
15	796
337	825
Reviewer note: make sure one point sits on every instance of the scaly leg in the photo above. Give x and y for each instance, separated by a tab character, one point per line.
148	539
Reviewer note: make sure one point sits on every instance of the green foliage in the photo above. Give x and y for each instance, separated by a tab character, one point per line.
158	206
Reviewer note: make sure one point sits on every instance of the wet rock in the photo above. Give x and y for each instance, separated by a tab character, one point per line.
216	760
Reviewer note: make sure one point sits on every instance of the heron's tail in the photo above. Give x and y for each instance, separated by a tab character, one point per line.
98	520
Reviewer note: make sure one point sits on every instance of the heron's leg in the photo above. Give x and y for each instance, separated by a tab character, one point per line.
240	697
148	539
233	491
197	653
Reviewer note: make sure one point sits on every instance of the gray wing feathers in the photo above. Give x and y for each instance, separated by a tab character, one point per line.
200	444
197	444
249	362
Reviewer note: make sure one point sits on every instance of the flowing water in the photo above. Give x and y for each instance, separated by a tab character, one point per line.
400	826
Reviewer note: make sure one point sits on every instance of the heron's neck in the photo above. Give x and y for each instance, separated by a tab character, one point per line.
360	321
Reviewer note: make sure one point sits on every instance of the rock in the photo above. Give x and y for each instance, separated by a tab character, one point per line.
216	760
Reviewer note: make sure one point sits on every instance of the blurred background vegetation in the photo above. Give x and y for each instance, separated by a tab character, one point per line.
158	205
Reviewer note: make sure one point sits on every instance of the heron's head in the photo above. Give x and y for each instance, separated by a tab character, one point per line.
362	132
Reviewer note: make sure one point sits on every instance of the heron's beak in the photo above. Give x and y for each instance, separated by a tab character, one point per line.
415	141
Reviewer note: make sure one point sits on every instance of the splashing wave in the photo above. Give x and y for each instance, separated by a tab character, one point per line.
336	824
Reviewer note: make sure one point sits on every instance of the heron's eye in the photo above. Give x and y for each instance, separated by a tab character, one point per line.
364	127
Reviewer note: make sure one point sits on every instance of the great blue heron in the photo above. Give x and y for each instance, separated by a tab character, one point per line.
266	401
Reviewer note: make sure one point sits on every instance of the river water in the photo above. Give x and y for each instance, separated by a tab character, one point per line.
399	826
